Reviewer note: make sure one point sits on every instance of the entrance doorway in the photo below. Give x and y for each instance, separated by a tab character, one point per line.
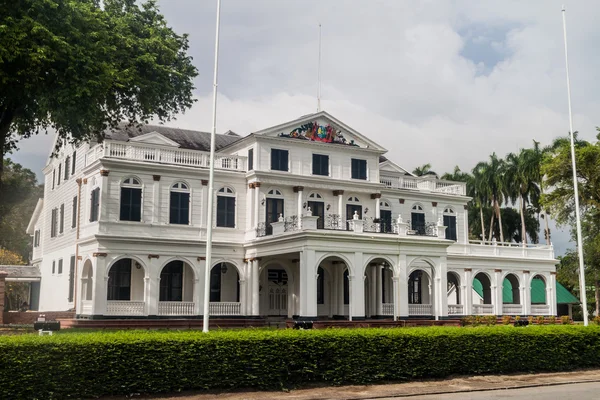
278	292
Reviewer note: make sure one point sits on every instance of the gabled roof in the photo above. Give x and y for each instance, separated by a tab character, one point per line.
34	217
332	131
155	138
185	138
388	165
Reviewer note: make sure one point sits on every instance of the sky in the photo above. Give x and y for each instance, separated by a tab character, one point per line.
440	82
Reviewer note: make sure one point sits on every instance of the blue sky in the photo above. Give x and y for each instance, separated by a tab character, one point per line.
444	82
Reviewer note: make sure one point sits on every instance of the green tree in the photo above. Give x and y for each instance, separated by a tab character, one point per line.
491	184
82	66
423	170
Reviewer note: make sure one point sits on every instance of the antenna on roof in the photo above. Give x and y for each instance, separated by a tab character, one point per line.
319	74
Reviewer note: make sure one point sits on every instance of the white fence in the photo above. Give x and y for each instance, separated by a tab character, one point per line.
456	309
540	309
387	309
419	309
424	184
483	309
512	309
176	308
501	249
117	307
148	153
225	308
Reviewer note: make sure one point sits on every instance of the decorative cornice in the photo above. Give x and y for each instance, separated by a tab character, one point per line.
204	182
338	192
150	256
104	172
156	178
298	189
79	258
375	196
99	254
79	181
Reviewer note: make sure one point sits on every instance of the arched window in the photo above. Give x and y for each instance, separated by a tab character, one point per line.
315	196
273	209
226	208
317	207
274	192
179	207
417	219
414	287
131	200
385	216
353	206
450	223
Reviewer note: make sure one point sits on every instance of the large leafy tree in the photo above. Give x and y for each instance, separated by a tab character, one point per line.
492	184
81	66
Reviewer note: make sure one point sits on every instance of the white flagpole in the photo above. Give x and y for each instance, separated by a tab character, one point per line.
211	178
319	74
582	294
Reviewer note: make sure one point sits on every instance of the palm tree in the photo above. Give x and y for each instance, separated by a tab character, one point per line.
492	183
424	169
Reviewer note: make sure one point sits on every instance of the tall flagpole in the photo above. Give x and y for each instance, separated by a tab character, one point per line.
211	178
582	294
319	74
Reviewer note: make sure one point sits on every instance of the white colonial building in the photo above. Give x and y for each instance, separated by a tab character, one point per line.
310	221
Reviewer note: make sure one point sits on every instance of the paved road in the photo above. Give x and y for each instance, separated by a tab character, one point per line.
578	391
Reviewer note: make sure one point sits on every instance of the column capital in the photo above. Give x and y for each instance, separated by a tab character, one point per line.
468	270
204	182
526	272
151	256
375	196
156	178
251	186
401	201
200	258
553	273
338	192
104	172
434	203
256	184
99	254
298	189
497	270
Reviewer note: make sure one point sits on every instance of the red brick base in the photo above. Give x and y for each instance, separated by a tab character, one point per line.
30	317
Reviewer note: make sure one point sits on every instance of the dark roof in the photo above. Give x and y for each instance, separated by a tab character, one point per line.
382	159
187	139
21	271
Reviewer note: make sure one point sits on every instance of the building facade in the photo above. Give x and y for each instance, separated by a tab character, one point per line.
310	221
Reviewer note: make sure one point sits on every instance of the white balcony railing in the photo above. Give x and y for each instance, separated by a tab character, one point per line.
540	309
86	307
420	309
149	153
176	308
483	309
117	307
501	249
428	184
225	308
512	309
387	309
456	309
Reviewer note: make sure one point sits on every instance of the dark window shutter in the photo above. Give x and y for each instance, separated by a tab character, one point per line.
71	278
60	266
131	204
62	218
74	213
67	166
73	163
250	159
95	205
450	223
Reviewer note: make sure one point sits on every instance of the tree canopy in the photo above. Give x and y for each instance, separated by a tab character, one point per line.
82	66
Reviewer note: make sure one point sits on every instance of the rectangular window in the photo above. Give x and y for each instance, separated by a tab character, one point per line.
226	211
62	219
59	174
53	222
73	163
417	223
320	164
60	265
250	159
179	208
67	166
450	223
95	205
279	160
359	169
71	278
131	204
74	213
53	266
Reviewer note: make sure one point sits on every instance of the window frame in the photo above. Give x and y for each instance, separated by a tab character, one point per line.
61	223
60	267
226	192
318	155
366	164
280	151
66	168
180	188
73	162
133	184
95	205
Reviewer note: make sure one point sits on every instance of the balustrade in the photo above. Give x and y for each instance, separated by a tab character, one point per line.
429	184
512	309
118	307
387	309
420	309
225	308
483	309
176	308
540	309
456	309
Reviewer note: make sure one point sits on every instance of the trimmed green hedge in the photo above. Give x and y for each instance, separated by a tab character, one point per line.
109	363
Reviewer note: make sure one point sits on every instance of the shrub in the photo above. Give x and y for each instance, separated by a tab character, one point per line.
517	318
491	320
565	320
506	320
530	319
597	320
540	319
552	320
120	363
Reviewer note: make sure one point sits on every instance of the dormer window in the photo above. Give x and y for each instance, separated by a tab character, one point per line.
131	200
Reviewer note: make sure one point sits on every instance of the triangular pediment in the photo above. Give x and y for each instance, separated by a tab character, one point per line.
323	128
390	166
154	138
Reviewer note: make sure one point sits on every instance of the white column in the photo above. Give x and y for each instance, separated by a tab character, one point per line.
395	283
378	290
526	293
254	267
104	189
402	286
497	299
308	284
300	190
196	297
199	294
243	291
250	208
152	287
340	209
377	205
156	199
466	225
99	284
551	294
357	291
443	288
257	204
468	292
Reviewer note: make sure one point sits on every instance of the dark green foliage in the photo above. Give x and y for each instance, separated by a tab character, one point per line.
92	364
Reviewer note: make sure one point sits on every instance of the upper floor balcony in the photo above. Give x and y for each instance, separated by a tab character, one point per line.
110	149
428	184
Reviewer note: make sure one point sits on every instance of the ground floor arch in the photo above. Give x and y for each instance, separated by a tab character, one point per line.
126	288
379	289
